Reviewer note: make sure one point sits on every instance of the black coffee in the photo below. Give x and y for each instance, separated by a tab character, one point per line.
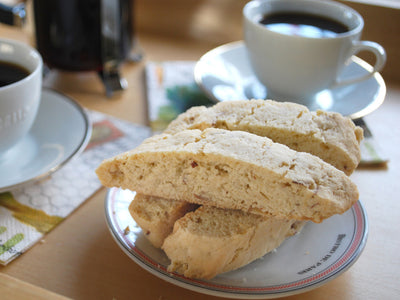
10	73
302	24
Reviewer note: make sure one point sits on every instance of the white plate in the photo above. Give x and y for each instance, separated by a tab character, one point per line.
61	130
224	74
319	253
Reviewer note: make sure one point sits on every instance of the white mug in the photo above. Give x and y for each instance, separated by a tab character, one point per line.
295	67
19	101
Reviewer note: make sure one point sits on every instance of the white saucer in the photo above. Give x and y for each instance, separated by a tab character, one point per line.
224	74
319	253
61	130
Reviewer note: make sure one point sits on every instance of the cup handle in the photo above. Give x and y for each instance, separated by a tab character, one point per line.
380	55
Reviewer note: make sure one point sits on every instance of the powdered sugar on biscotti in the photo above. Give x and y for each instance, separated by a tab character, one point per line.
232	169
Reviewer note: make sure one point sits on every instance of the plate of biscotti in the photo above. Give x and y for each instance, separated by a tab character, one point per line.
244	199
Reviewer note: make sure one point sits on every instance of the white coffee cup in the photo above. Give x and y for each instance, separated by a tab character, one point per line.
19	101
296	67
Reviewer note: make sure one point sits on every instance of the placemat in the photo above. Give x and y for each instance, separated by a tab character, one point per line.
28	213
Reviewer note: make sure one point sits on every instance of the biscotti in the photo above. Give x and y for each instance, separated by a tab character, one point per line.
207	241
156	216
232	169
211	240
328	135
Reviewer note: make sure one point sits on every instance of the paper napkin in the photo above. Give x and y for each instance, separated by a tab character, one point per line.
172	90
28	213
371	153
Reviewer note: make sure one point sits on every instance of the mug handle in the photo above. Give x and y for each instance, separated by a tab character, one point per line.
380	55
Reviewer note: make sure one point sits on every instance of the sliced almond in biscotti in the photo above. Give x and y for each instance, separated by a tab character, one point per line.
328	135
232	169
211	240
156	216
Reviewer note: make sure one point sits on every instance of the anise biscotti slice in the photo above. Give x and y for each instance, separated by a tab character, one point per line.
156	216
328	135
232	169
211	240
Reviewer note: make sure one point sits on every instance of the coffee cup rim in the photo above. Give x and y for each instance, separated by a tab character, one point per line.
350	32
30	49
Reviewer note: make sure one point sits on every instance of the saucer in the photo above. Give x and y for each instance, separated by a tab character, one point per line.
225	74
305	261
61	131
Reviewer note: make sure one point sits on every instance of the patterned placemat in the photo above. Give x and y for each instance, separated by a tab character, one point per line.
28	213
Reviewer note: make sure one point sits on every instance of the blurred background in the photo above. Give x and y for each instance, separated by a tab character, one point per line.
216	22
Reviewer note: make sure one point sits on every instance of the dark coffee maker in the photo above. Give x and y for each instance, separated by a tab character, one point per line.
82	35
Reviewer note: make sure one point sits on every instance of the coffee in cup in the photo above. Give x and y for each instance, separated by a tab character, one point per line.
299	48
20	91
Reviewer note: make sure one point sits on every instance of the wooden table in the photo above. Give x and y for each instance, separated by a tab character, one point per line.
80	260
